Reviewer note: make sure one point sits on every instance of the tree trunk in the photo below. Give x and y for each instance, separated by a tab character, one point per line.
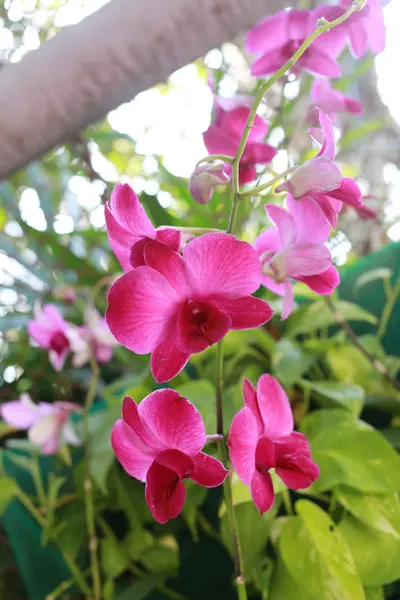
90	68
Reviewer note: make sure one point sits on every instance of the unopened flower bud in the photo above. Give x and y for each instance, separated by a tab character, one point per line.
206	178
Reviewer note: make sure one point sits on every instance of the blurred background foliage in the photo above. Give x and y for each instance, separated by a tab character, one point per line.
344	542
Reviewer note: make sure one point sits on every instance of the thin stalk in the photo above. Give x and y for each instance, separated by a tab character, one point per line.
240	584
264	186
387	311
327	26
88	486
60	589
287	502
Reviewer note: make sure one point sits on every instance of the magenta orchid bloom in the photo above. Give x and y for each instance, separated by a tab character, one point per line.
159	442
50	331
94	338
130	230
47	424
295	250
332	101
224	135
276	39
261	438
205	178
365	28
176	306
320	178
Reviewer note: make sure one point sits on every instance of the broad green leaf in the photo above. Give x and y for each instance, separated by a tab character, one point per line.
290	361
379	512
8	489
113	557
317	557
334	393
253	531
202	393
374	593
5	429
318	316
71	530
376	554
283	586
109	589
350	452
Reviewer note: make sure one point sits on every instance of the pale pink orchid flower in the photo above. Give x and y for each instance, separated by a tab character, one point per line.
129	229
295	249
276	38
320	178
205	178
261	438
331	101
47	424
160	442
94	338
50	331
365	29
177	305
224	136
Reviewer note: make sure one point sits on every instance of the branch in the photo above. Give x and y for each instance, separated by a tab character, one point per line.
90	68
353	338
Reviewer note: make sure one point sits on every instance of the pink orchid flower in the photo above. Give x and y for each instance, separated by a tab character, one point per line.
261	438
276	39
176	306
332	101
50	331
47	424
205	178
159	442
320	178
365	28
295	250
224	135
130	230
94	337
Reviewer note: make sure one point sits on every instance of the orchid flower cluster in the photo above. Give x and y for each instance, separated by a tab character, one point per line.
180	294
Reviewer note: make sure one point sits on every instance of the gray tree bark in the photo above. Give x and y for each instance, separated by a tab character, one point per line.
90	68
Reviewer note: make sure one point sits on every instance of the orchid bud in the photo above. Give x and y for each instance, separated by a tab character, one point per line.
207	177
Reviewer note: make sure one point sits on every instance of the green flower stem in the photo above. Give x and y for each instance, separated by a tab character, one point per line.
326	26
88	486
37	479
392	296
73	567
60	589
240	583
214	157
264	186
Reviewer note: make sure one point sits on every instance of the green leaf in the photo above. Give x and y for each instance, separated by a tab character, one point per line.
317	557
136	542
379	512
373	275
195	495
101	455
71	530
284	587
374	593
350	452
142	587
376	554
334	393
290	361
253	532
113	558
8	489
202	393
162	557
318	316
